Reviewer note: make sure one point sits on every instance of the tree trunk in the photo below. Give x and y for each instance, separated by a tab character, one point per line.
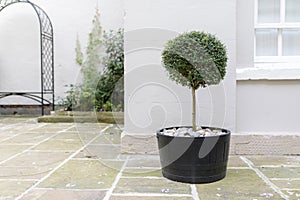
194	109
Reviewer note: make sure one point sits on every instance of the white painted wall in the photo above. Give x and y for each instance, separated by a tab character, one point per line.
245	33
152	101
267	98
19	41
268	107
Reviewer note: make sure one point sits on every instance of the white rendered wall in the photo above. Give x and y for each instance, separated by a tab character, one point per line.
268	107
267	99
152	101
19	41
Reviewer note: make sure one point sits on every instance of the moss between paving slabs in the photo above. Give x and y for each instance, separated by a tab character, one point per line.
238	184
79	174
85	117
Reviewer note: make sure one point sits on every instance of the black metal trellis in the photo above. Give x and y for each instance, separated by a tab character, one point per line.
47	58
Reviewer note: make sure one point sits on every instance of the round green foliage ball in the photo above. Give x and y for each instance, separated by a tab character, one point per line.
195	59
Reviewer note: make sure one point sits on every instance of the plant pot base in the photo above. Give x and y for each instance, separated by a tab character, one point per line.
194	179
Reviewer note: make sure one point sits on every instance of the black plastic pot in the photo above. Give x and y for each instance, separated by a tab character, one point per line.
194	159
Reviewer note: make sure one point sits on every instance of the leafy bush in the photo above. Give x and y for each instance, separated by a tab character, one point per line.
90	64
195	59
99	90
110	87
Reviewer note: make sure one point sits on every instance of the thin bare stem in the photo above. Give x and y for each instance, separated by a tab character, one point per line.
194	109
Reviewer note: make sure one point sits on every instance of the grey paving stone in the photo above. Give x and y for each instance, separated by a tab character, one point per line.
108	138
42	194
274	160
27	138
157	186
144	161
287	184
4	135
52	128
23	173
239	184
12	189
67	135
293	194
10	150
37	159
149	198
135	172
60	144
86	137
81	174
281	172
235	161
92	171
100	152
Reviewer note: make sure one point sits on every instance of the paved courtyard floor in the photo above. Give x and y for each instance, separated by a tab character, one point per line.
83	161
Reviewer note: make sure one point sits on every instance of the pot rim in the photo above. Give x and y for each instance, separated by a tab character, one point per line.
226	132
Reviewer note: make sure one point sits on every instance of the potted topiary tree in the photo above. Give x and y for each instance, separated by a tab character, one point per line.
194	154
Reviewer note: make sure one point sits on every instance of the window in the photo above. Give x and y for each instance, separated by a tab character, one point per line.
277	31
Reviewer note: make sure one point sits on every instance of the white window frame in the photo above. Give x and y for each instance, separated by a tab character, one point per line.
279	60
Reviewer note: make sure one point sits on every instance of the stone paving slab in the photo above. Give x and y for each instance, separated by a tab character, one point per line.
108	138
81	174
83	161
4	135
58	194
114	197
37	159
138	161
60	144
289	183
293	194
146	185
10	150
281	172
236	161
26	138
101	151
275	160
10	189
24	173
239	184
142	172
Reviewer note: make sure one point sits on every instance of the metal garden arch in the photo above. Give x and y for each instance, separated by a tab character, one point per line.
47	58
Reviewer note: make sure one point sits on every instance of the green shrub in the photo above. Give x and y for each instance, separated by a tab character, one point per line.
110	88
99	90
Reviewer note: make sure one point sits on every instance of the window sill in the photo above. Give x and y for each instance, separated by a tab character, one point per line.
268	73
